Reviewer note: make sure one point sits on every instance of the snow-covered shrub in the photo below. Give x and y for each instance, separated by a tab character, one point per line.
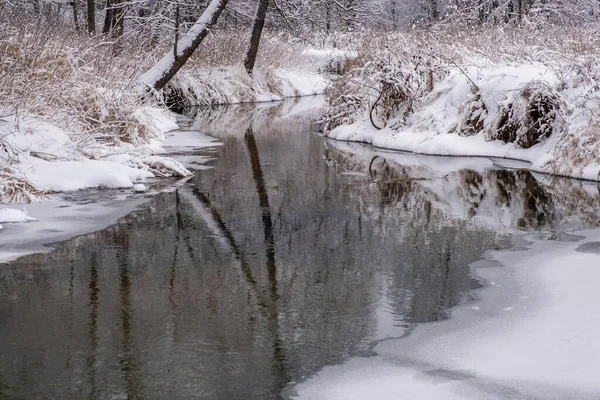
390	74
533	113
398	89
15	188
473	115
341	111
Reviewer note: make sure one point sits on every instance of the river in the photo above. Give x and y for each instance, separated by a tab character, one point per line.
286	252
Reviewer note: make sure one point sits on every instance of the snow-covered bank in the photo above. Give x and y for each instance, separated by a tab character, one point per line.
516	99
65	215
233	85
530	335
54	160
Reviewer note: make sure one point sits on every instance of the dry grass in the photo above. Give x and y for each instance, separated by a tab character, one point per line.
81	84
572	53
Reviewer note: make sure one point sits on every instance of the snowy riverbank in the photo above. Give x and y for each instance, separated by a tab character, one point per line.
79	118
81	208
52	159
518	98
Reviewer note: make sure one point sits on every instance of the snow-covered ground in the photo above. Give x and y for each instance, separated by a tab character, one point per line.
531	334
435	125
125	180
232	85
54	160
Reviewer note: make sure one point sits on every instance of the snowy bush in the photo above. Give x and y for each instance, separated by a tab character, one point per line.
531	114
530	86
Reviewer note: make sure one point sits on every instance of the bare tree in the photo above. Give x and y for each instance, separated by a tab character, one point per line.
257	28
162	72
75	5
114	18
91	16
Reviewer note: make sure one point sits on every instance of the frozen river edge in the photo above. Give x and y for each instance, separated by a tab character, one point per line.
529	335
33	228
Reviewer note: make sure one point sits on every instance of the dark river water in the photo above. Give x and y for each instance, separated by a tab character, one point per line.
293	252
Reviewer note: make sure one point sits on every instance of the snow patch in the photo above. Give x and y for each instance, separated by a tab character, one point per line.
542	346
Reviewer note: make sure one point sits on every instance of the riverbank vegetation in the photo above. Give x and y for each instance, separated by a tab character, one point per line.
522	72
525	91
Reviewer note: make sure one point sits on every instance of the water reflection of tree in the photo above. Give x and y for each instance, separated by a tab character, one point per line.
265	269
531	203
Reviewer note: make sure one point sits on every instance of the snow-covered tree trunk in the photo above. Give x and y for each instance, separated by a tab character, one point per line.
164	70
257	28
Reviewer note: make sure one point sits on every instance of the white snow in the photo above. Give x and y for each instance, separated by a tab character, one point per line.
63	176
61	217
55	160
139	188
531	335
426	131
13	215
177	141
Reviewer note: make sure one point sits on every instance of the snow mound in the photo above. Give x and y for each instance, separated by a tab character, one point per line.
51	159
11	215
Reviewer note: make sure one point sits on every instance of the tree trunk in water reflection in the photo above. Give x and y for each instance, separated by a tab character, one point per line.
269	240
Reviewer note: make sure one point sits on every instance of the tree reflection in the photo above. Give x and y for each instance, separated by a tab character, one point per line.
280	260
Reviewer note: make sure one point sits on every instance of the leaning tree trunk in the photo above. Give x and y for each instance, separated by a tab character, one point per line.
163	71
257	28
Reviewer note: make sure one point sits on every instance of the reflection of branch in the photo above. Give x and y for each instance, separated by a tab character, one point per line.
263	198
215	223
265	210
172	273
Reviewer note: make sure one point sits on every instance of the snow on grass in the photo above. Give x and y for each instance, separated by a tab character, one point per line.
53	159
531	334
232	85
460	98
